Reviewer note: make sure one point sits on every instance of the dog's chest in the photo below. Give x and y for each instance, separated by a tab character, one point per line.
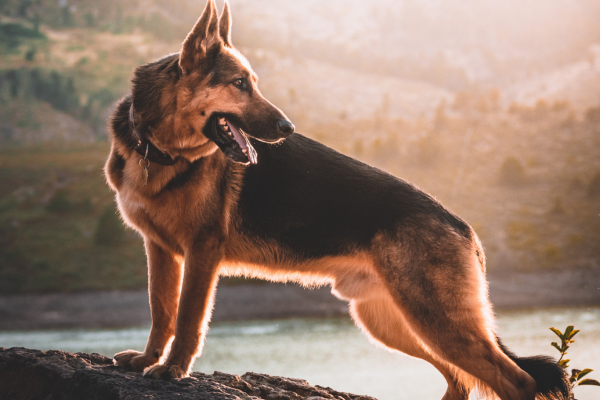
167	219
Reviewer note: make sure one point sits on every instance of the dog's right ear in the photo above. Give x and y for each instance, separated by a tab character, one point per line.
202	37
225	25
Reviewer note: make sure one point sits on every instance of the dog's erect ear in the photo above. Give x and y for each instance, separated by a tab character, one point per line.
203	36
225	25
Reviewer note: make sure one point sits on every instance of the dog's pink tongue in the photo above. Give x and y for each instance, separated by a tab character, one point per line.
237	135
243	142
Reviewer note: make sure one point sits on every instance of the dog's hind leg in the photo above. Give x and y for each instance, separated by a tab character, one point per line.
164	281
381	319
437	282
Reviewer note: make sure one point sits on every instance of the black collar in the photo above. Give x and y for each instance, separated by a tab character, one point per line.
145	148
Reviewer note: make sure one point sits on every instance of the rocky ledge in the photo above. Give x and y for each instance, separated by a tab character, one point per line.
53	375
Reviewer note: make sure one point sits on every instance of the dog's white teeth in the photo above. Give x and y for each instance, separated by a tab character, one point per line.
223	126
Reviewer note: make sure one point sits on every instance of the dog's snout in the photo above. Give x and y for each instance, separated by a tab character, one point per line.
285	126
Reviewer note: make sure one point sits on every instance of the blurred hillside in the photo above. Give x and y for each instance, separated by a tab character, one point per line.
492	107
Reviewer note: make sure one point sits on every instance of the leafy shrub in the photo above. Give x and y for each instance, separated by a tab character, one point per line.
30	54
56	89
51	86
12	34
90	20
577	375
110	230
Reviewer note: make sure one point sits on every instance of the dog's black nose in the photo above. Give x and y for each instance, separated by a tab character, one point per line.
285	126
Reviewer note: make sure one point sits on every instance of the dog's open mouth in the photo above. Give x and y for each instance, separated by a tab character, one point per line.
233	142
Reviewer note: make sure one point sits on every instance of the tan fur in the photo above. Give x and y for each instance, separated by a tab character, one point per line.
383	322
191	238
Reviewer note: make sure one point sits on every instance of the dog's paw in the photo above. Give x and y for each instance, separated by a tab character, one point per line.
134	360
165	372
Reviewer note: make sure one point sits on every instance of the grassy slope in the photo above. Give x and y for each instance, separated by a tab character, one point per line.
53	194
47	248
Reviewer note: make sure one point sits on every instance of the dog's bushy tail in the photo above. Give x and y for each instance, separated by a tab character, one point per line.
552	380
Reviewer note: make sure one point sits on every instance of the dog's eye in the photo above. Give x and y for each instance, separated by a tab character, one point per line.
238	83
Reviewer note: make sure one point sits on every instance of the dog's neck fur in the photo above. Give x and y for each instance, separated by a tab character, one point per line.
123	165
145	147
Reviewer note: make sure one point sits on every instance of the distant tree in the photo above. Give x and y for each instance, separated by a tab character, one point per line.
55	88
12	77
30	53
12	35
67	16
23	7
36	21
118	20
90	20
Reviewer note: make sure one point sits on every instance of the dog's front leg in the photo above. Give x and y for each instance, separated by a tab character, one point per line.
195	307
164	285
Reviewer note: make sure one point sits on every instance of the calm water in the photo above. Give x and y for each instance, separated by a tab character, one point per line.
332	352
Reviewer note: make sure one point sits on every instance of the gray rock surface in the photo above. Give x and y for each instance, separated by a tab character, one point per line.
52	375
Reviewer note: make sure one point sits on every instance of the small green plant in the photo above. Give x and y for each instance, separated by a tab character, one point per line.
577	375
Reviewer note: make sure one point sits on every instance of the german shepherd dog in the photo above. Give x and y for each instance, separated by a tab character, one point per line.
197	173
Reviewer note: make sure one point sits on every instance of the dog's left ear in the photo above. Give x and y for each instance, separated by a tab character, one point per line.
203	37
225	25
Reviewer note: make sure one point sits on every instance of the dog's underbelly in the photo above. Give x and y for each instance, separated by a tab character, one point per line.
352	277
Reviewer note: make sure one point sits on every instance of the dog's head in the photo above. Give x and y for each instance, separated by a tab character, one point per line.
206	97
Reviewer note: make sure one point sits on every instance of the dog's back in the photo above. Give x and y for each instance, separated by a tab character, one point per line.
318	202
